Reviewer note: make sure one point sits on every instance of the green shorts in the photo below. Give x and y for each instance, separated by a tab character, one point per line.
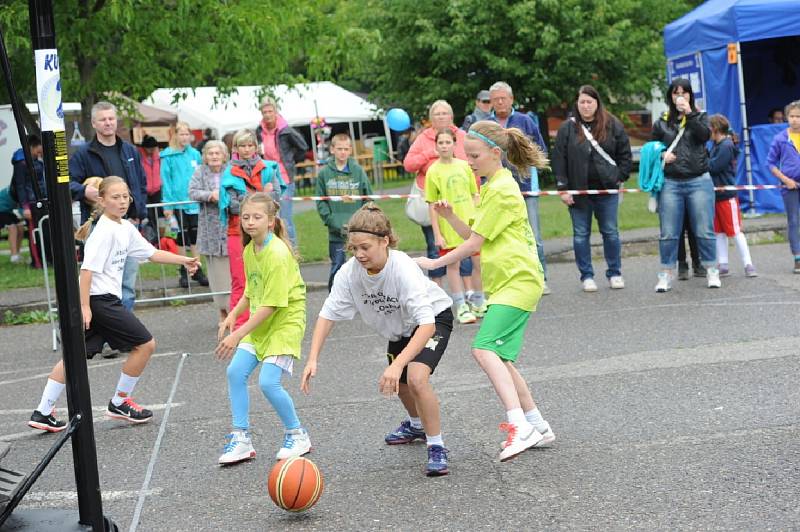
502	331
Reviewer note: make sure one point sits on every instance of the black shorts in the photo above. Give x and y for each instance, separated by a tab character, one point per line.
9	218
187	235
113	323
432	353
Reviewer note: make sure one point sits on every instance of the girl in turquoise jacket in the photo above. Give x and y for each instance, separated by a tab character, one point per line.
178	163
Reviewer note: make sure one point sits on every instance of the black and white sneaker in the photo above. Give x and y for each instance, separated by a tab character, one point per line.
129	411
46	423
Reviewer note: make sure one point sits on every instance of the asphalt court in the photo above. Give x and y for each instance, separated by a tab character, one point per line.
672	411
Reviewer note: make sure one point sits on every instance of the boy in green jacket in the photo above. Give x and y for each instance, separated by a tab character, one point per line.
342	176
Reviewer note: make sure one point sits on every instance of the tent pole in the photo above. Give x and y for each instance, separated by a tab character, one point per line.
314	145
388	134
745	129
353	137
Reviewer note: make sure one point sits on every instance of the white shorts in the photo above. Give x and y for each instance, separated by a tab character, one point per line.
285	362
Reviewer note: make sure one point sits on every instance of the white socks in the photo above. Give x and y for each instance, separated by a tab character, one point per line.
416	422
535	418
125	387
741	247
744	250
52	391
434	440
516	416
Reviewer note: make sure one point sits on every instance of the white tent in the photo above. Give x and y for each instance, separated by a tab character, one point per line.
204	107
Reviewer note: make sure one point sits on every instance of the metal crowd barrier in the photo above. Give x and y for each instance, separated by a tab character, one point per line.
52	309
156	222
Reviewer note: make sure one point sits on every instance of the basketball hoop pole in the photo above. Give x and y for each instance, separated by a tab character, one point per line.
54	142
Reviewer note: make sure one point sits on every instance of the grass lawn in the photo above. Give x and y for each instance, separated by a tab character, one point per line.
313	235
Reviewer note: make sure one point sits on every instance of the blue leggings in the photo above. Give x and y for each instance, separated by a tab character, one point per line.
239	370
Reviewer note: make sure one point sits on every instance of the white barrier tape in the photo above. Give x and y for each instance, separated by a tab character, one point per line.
540	193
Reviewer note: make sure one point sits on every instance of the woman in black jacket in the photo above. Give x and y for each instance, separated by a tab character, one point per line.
592	151
688	189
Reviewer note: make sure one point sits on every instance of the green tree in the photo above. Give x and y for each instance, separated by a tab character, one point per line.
544	49
133	47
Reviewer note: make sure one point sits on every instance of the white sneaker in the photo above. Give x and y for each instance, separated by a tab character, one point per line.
464	314
15	259
616	282
589	285
295	443
548	436
238	448
546	290
520	438
712	274
664	282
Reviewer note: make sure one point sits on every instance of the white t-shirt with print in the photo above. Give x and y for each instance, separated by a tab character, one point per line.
109	244
393	302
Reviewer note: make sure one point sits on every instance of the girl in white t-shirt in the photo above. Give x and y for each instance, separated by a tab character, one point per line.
397	300
110	243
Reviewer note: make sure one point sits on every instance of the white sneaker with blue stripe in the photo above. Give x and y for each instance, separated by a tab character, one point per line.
238	449
295	443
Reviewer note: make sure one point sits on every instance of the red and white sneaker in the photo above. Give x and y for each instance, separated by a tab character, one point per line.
548	437
129	411
521	437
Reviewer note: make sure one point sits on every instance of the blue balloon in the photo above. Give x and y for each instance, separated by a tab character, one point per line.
398	120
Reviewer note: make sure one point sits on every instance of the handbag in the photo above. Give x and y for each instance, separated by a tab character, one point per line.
416	206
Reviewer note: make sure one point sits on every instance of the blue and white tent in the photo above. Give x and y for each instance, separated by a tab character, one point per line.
764	39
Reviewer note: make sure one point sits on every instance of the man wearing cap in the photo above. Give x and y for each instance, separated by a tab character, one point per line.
483	110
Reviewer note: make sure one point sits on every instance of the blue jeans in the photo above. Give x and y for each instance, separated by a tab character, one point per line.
532	205
432	252
239	370
286	211
695	196
129	283
605	210
791	201
336	252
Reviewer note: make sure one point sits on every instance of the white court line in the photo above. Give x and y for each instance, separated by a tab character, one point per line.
13	411
34	433
89	366
156	448
59	497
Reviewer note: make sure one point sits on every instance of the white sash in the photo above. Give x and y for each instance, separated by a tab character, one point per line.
595	144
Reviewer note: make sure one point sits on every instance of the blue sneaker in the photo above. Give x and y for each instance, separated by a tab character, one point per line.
405	433
437	461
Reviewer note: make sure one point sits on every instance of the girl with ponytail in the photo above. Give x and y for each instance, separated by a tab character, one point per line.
275	295
112	241
511	274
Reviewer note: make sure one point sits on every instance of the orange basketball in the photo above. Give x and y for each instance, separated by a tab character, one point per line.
295	484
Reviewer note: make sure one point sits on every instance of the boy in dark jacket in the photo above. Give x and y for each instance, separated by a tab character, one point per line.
727	215
342	176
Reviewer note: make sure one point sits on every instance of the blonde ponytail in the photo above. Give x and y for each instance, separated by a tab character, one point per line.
518	148
522	153
83	231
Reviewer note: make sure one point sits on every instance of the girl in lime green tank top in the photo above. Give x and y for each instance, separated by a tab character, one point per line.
511	272
275	295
